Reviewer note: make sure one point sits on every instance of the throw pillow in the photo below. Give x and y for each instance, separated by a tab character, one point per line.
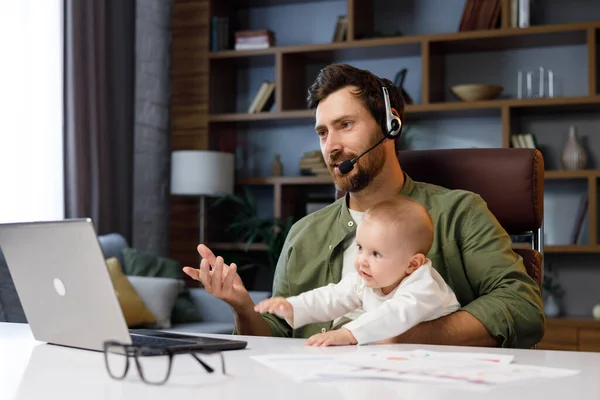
159	294
135	311
140	263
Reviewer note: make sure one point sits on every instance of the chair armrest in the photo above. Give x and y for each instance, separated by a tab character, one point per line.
212	309
533	264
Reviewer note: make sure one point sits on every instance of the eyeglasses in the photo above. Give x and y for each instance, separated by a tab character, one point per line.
153	363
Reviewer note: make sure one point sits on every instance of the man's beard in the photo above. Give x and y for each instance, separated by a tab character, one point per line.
365	169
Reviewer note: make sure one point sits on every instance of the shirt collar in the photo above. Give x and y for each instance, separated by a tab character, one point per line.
349	225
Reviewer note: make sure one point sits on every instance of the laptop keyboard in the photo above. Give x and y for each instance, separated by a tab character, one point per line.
154	341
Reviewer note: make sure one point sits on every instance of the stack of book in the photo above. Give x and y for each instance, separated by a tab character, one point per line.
264	98
312	163
252	40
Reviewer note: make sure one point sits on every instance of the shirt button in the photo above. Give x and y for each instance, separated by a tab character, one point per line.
323	330
350	223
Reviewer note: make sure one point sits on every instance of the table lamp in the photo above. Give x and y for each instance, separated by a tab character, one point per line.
202	173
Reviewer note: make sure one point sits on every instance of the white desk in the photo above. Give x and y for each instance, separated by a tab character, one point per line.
33	370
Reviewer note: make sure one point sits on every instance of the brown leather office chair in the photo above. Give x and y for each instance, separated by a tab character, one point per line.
511	181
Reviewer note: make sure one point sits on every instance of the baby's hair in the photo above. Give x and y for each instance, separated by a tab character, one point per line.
411	220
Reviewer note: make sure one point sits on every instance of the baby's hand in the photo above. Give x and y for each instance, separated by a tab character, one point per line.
276	305
340	337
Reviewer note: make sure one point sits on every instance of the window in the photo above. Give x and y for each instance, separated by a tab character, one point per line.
31	110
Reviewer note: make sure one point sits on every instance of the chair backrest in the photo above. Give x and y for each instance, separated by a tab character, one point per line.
511	181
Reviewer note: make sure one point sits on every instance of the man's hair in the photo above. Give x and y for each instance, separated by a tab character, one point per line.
409	218
337	76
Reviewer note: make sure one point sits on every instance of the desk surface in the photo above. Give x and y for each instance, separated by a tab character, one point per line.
34	370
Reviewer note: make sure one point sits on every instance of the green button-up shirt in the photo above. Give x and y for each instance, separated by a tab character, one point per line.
470	250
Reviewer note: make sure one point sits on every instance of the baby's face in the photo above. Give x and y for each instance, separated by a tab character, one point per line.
380	259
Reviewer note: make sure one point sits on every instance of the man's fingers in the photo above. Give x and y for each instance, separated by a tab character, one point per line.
217	276
192	272
204	275
228	281
207	254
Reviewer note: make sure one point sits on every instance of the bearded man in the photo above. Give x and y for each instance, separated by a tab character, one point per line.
500	304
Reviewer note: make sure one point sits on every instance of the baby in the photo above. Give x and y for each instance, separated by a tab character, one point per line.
394	283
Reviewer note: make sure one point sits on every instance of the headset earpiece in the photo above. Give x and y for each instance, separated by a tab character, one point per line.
391	124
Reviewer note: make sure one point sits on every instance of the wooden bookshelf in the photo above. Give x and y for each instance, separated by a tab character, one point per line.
205	86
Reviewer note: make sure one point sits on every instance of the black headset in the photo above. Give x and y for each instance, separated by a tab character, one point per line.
391	125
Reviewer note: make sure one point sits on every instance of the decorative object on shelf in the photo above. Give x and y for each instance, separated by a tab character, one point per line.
399	82
476	92
544	79
596	311
341	29
574	156
277	166
552	293
202	173
312	163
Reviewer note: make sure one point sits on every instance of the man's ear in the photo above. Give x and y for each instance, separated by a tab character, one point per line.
415	262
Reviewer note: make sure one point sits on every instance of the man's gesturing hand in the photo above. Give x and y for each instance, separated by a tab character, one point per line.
222	281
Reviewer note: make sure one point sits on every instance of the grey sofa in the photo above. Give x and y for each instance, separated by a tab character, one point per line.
216	315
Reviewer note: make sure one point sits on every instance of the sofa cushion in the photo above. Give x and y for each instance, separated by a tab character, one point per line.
159	295
203	327
136	313
140	263
112	245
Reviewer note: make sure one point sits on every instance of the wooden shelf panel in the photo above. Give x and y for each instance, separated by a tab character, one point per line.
434	108
512	38
481	40
317	180
571	248
287	180
223	246
263	116
582	174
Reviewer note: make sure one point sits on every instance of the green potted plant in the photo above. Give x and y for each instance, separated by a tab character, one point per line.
249	228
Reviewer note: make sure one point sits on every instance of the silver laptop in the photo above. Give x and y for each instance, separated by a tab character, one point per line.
64	286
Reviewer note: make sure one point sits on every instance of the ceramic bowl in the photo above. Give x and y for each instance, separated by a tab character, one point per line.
475	92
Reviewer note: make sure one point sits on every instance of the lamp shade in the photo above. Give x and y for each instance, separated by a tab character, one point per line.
202	173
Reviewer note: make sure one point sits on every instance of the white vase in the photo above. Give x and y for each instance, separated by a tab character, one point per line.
551	308
574	156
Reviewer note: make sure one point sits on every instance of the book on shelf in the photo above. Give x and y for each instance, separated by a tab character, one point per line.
255	39
581	212
523	141
220	38
341	29
480	15
264	98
